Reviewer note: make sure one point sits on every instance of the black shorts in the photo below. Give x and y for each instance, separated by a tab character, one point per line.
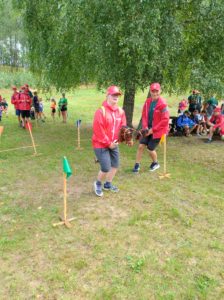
53	110
25	113
63	108
150	142
36	108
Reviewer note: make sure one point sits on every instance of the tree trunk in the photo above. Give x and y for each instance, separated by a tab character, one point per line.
129	101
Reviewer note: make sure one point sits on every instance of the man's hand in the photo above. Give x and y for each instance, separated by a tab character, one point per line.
113	145
149	132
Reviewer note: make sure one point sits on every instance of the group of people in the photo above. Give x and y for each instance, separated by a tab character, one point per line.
3	107
29	105
109	119
200	117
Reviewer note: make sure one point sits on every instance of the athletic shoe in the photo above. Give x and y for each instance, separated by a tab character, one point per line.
154	166
136	168
109	187
97	186
208	141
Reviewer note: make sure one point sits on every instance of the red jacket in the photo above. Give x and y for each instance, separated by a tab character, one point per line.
24	101
160	122
106	125
219	122
15	100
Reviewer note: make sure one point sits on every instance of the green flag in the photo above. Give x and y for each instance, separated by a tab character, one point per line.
66	168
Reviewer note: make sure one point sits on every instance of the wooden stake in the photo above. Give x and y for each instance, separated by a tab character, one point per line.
65	221
165	174
32	139
13	149
78	138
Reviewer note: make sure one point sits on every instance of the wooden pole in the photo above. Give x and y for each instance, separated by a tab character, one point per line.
164	154
78	138
65	221
165	174
65	197
32	139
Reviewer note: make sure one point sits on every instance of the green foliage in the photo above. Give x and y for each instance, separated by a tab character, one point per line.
18	78
13	50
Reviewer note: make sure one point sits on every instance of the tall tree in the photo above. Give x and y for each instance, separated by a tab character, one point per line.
129	43
12	37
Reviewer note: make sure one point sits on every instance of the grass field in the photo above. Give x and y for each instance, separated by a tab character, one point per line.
155	239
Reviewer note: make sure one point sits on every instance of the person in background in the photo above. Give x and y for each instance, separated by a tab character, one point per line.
182	106
29	91
0	112
216	123
53	108
25	105
185	124
41	110
15	101
195	101
4	106
36	105
210	105
63	106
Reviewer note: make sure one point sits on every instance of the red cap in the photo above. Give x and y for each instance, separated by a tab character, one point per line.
113	90
217	109
26	85
14	87
155	87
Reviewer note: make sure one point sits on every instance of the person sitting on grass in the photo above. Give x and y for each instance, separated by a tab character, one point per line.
216	124
182	106
202	123
199	119
5	106
185	124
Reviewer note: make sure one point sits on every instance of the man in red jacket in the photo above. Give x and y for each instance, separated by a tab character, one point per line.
15	102
216	123
155	120
106	125
24	104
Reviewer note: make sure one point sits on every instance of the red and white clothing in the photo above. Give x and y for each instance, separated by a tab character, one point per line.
106	125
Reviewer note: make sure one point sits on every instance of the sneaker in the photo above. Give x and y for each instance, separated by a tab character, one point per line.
208	141
97	186
154	166
136	168
109	187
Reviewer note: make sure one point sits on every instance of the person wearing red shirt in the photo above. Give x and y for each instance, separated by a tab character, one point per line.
24	105
15	101
216	123
107	123
155	121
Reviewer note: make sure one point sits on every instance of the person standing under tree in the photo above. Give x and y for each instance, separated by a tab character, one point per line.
155	121
62	106
107	123
15	102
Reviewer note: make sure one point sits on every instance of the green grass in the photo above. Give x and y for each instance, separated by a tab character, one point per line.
155	239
